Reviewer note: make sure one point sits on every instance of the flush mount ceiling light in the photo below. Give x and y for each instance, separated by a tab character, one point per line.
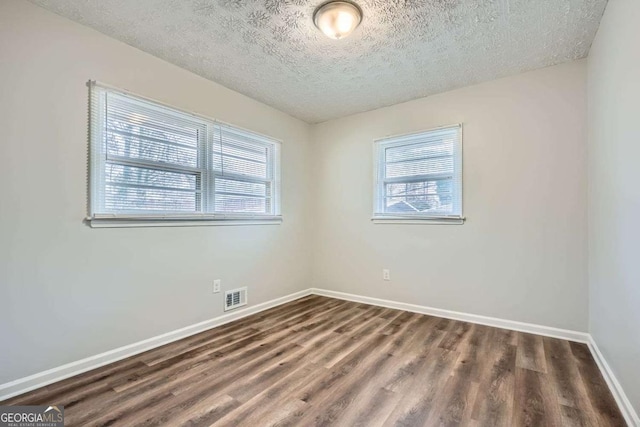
337	19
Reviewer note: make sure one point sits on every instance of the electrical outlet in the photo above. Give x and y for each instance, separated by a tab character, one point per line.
386	274
216	286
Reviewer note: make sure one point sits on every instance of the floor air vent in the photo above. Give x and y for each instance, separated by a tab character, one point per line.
235	298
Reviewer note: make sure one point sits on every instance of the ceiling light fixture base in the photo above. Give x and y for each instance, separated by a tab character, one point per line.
337	19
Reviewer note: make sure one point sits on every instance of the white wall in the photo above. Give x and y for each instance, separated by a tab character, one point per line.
522	255
69	291
614	192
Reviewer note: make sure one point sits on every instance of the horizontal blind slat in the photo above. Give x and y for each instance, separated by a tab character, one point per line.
123	199
150	187
152	139
250	196
149	164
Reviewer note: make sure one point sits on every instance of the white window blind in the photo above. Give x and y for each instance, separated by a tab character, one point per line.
419	176
150	161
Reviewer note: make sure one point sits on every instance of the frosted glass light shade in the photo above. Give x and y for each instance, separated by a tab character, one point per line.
337	19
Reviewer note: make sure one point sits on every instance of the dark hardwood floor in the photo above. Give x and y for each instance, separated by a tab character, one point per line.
322	361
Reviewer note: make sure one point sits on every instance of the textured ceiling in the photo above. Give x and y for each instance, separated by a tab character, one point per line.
404	49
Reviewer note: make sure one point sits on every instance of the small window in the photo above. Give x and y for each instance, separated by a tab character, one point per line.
419	177
155	163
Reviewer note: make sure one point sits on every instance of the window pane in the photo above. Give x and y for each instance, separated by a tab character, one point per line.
122	198
423	196
238	152
150	158
129	146
242	187
419	151
135	132
225	164
426	166
244	150
242	204
152	125
420	174
116	173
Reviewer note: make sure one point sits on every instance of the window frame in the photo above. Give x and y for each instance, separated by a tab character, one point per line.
380	181
99	217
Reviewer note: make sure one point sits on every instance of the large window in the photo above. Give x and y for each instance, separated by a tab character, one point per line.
152	163
419	176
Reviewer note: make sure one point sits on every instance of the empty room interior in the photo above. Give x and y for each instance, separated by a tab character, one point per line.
319	213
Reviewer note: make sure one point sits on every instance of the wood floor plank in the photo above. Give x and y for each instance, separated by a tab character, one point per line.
184	375
494	402
567	382
328	407
603	403
474	355
573	417
351	403
355	339
329	362
197	360
454	405
412	350
205	413
535	402
228	333
460	331
194	393
254	411
256	321
415	406
363	325
207	382
530	354
69	392
322	390
398	323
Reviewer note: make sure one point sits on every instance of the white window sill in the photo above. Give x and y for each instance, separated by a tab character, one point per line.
418	220
187	221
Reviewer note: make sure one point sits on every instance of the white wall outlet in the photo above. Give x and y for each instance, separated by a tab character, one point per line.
386	274
216	286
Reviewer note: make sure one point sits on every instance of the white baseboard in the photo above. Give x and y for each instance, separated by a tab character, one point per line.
531	328
630	415
41	379
50	376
